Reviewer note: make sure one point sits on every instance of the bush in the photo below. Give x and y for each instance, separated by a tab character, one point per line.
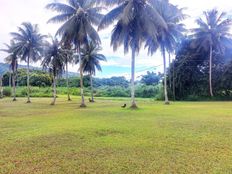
7	92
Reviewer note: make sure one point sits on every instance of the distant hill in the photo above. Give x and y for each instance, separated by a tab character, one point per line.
5	67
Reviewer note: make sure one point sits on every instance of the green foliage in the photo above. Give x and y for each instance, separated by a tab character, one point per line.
190	73
144	91
151	78
7	92
40	80
113	81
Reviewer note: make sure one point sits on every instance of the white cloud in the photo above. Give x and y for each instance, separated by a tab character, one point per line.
14	12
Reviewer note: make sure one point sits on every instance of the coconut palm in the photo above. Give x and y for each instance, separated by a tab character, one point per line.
68	59
212	35
78	18
29	46
169	37
54	61
12	60
91	62
137	21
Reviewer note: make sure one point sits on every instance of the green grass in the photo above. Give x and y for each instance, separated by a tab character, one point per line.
188	137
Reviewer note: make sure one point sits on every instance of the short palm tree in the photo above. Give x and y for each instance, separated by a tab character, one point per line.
29	46
91	62
53	60
169	37
211	36
137	22
12	60
78	18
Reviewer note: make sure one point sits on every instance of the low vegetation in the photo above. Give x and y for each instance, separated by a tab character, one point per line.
105	138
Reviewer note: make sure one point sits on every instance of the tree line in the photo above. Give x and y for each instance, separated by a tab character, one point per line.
152	24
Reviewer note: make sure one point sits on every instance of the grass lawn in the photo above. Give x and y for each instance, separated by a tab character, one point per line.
104	138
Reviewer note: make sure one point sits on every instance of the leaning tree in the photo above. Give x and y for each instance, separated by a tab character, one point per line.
78	18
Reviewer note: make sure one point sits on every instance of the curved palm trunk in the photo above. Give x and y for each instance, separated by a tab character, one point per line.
133	103
28	81
165	78
91	83
81	80
67	82
210	71
14	84
1	88
54	91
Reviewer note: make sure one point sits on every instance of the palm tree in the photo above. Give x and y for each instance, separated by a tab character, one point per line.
137	21
212	35
29	46
54	61
78	18
68	59
12	59
91	62
169	37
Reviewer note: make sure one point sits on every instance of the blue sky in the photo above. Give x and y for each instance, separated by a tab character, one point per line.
14	12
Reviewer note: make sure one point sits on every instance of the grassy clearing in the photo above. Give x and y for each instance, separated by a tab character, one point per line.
103	138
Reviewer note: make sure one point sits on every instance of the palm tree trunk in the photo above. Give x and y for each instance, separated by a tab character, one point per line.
165	78
67	81
173	82
91	83
28	80
81	80
10	78
133	103
1	88
54	91
210	71
14	85
169	68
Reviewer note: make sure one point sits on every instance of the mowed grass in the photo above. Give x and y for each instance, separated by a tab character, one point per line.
104	138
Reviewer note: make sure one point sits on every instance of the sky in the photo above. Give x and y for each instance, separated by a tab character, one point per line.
14	12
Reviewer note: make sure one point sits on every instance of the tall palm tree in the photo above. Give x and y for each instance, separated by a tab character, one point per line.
91	62
54	61
212	35
78	18
169	37
12	60
29	46
68	59
137	21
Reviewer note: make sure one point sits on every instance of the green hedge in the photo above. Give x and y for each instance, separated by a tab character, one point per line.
142	91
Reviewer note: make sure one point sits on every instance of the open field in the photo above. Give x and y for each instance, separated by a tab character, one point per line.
103	138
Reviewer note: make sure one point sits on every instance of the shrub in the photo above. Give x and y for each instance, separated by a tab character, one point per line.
7	92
